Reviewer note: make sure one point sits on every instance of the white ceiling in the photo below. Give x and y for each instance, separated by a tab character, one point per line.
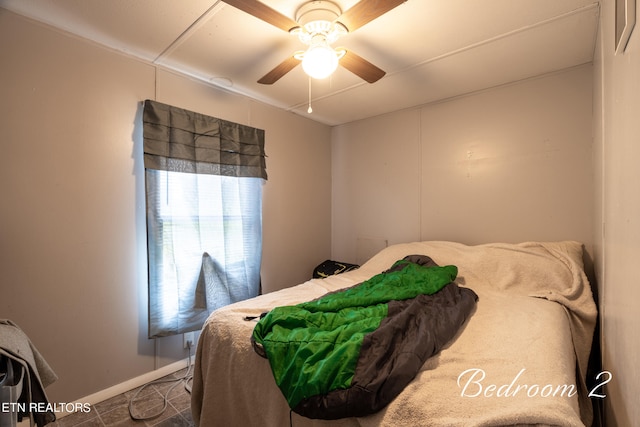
430	49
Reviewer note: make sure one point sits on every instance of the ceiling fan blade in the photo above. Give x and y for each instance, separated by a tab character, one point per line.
264	13
366	11
280	70
361	67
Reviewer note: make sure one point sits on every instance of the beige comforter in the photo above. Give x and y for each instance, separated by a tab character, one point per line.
513	363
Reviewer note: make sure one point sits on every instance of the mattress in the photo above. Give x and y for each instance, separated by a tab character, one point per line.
520	359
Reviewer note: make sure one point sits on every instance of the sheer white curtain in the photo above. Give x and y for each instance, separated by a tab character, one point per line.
204	216
204	234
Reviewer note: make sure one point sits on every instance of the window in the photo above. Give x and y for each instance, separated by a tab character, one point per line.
204	229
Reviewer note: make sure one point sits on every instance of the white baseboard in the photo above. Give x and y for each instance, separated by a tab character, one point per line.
117	389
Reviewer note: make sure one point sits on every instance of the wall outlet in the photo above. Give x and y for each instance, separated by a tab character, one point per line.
187	338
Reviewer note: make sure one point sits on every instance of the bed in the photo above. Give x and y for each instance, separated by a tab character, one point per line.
520	358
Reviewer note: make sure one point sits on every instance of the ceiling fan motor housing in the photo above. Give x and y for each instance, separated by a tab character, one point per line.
317	11
318	18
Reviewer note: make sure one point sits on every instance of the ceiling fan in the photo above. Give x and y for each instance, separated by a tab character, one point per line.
318	24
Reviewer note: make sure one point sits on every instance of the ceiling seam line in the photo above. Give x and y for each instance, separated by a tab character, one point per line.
500	36
463	49
188	32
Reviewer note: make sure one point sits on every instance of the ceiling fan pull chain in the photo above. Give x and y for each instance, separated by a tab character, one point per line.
310	110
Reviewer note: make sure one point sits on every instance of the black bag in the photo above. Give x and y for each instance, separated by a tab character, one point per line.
329	268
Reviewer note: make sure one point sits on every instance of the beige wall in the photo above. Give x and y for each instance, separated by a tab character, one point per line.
72	215
617	225
376	183
509	164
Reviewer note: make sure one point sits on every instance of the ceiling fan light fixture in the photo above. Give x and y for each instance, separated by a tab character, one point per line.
332	31
320	60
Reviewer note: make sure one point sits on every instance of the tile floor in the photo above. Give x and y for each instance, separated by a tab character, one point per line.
114	412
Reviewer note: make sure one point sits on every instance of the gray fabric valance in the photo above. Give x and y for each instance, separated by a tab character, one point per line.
179	140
